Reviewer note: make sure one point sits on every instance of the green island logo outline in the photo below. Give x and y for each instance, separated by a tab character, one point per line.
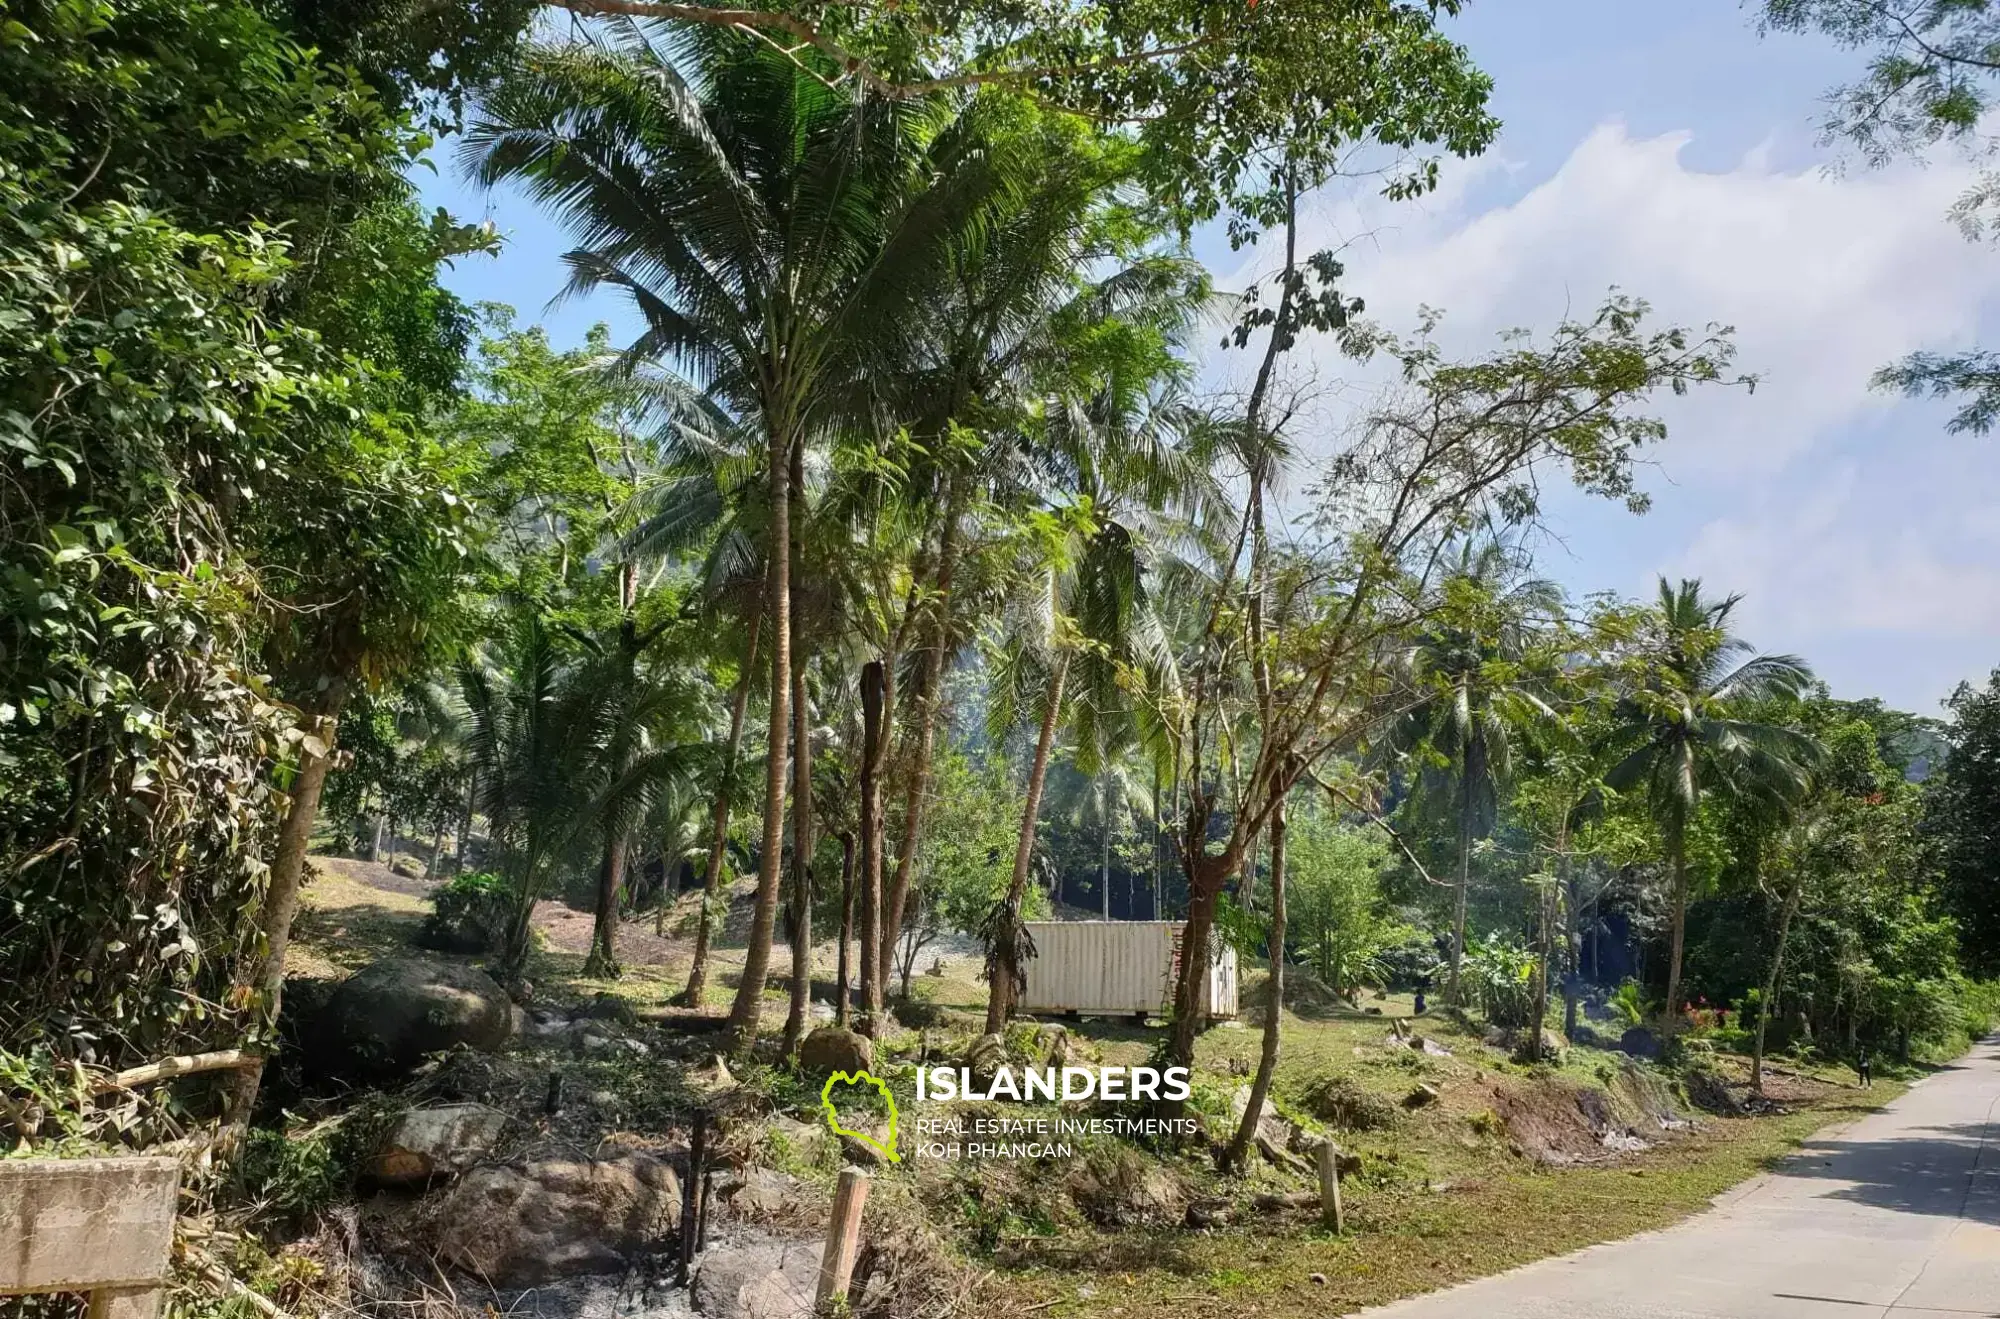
833	1118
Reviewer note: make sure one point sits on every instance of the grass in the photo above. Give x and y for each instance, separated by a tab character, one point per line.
1409	1237
1445	1192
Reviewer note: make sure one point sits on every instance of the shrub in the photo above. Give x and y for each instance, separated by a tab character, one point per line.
1501	976
471	916
1339	1101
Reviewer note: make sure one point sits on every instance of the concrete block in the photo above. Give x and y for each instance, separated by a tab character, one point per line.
79	1224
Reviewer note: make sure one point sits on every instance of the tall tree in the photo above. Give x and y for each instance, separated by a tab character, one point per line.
769	227
1473	664
1683	734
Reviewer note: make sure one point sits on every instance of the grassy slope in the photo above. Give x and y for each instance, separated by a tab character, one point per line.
1443	1196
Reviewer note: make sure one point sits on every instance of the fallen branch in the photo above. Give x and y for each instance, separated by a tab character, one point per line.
168	1068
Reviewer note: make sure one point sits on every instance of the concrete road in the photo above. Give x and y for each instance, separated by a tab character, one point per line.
1897	1214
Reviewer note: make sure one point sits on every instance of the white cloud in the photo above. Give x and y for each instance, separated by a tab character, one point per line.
1823	278
1861	534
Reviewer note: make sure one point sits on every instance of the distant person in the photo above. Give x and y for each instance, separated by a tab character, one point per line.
1420	1002
1862	1070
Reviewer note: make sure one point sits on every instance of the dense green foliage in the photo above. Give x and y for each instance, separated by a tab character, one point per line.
903	560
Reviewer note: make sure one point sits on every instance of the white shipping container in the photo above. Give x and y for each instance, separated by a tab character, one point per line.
1118	968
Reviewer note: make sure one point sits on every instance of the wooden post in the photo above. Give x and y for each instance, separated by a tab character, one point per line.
1329	1187
843	1236
692	1200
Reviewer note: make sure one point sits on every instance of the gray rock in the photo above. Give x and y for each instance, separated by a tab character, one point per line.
1640	1043
611	1007
427	1143
757	1280
527	1223
830	1049
385	1018
985	1056
754	1191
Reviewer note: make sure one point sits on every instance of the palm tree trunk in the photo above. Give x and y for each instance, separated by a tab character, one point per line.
265	975
1104	846
1547	950
1677	861
719	845
917	796
874	700
603	959
1154	914
1000	993
802	822
1572	951
846	925
1769	1003
1238	1157
748	1008
1452	988
465	821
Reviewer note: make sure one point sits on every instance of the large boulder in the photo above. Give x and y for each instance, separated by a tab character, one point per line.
427	1143
831	1049
757	1280
1639	1042
522	1224
386	1017
985	1057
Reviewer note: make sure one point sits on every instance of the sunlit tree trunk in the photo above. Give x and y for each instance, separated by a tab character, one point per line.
603	959
1549	904
1474	765
265	973
917	798
1104	845
846	925
1000	993
718	847
1677	865
1572	950
1274	1011
1155	913
1769	1003
748	1008
459	858
802	826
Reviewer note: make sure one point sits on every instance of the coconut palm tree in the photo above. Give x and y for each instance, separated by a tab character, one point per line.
1477	690
1062	278
1685	734
566	757
772	229
1082	627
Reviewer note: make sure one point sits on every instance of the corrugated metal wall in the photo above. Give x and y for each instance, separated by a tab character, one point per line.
1116	968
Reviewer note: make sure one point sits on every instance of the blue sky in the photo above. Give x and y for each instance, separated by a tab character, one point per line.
1666	149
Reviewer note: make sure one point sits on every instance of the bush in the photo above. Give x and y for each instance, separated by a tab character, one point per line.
1339	1101
1501	977
472	915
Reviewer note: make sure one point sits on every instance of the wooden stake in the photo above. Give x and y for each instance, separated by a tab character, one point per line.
692	1201
843	1236
1329	1187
